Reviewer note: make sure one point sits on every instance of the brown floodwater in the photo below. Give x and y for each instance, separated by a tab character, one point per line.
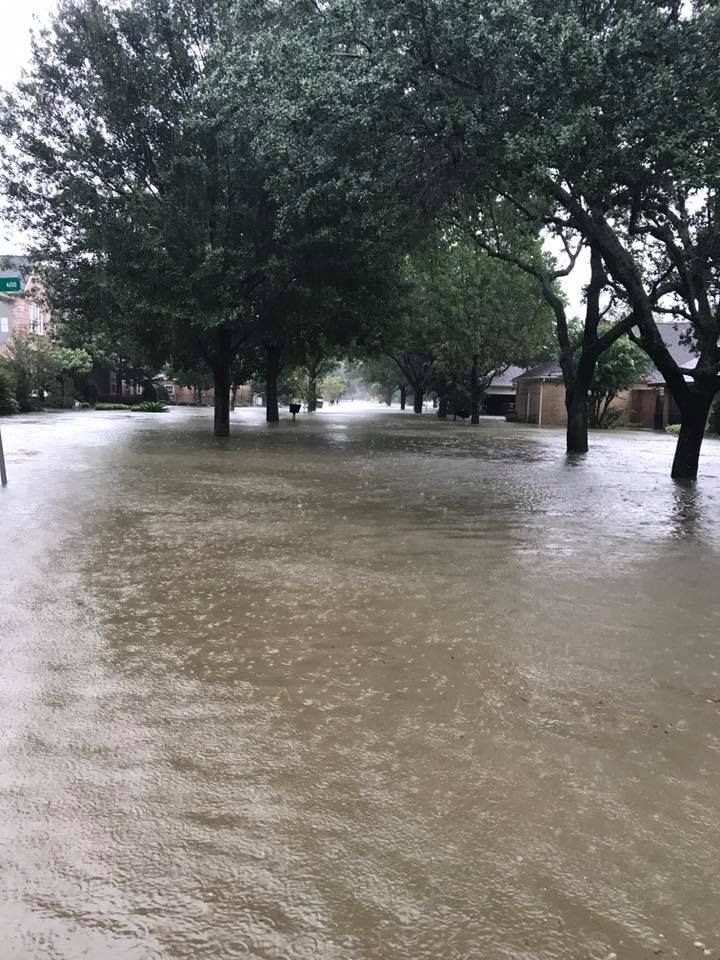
369	687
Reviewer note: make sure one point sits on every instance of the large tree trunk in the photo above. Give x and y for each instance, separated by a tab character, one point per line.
312	395
418	400
389	391
475	394
272	412
577	403
221	377
403	396
443	406
577	419
692	430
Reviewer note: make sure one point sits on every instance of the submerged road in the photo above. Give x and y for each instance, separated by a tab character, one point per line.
362	688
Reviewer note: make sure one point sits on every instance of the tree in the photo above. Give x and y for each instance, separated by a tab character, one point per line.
8	403
333	388
149	204
382	377
38	363
618	368
198	378
578	125
479	315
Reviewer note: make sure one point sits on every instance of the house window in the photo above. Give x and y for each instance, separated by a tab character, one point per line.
37	320
4	325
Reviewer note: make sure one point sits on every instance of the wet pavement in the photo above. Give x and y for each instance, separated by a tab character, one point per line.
361	688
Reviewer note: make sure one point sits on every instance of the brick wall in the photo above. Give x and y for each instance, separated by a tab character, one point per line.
637	405
527	404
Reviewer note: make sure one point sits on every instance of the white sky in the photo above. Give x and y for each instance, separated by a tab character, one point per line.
18	17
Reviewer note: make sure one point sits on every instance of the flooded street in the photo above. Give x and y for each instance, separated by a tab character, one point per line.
366	687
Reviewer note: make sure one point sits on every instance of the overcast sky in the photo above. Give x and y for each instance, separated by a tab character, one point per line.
18	19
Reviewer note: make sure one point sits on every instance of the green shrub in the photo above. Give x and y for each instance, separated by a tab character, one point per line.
60	403
150	406
609	419
8	403
162	393
111	406
673	428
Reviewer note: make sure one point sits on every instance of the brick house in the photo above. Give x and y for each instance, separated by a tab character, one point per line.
540	395
22	311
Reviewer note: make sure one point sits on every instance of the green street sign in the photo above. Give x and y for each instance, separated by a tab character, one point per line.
10	285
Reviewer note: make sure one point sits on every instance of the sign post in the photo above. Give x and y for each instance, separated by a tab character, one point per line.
7	285
3	471
10	285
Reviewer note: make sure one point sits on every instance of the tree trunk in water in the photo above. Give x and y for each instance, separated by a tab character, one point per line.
389	395
312	395
692	431
418	401
443	407
272	412
233	396
221	376
577	419
474	393
118	385
403	397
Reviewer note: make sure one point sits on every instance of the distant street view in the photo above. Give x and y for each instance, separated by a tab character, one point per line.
359	457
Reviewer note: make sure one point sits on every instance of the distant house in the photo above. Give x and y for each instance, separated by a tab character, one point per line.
540	396
22	311
499	397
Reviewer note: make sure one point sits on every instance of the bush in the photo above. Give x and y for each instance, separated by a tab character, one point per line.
60	403
8	403
673	428
111	406
610	418
162	393
150	406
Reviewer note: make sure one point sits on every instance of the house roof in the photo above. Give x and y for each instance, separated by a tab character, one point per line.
507	378
677	337
679	341
547	370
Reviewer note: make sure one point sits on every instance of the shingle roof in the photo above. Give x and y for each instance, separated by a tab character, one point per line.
548	370
507	378
678	340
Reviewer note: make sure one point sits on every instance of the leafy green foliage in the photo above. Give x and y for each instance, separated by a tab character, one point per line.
39	364
618	368
8	403
112	406
164	205
150	406
333	388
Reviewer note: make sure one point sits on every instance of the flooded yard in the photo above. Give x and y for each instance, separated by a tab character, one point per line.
366	687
